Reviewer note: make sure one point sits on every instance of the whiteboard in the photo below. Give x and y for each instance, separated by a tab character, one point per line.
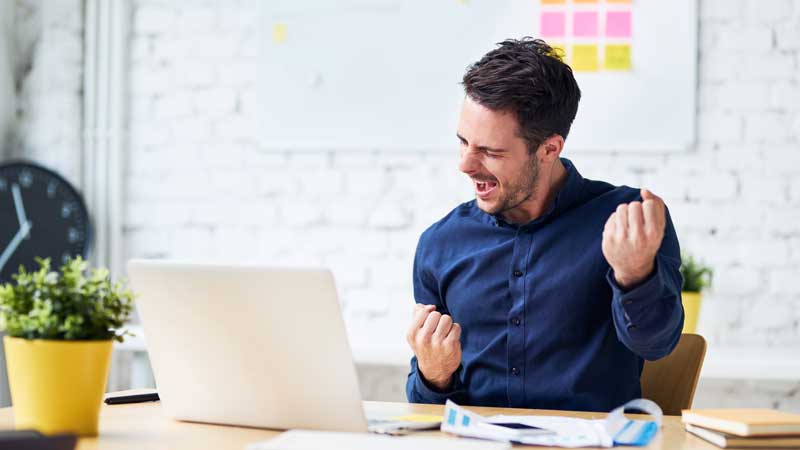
385	74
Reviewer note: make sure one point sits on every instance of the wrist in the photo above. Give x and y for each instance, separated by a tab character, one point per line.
439	382
629	280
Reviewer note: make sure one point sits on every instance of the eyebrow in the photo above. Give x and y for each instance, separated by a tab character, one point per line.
484	147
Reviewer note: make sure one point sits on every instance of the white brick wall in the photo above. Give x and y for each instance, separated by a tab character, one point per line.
200	186
49	57
7	89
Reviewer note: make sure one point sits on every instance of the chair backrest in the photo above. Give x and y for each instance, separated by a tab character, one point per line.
672	380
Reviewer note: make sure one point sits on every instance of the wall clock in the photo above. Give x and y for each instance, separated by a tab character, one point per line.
41	215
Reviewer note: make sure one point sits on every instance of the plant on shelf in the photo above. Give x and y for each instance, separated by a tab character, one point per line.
696	277
60	328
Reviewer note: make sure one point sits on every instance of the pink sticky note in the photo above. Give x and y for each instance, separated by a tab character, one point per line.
584	24
552	24
618	24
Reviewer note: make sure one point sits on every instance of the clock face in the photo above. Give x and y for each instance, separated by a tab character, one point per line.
41	215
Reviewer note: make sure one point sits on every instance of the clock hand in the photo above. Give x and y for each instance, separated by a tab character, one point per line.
23	231
18	204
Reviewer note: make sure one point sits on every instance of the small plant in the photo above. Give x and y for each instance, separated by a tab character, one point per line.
696	275
69	304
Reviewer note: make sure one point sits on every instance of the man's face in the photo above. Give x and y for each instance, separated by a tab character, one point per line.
496	158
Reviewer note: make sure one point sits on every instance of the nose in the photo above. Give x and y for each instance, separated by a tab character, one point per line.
468	163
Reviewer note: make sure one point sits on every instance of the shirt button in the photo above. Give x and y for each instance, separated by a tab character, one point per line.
517	273
516	321
514	371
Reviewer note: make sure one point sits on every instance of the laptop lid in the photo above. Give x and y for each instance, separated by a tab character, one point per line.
253	346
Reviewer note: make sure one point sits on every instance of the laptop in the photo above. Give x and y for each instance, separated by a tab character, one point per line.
250	346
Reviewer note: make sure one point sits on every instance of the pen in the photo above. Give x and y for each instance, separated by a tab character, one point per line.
132	398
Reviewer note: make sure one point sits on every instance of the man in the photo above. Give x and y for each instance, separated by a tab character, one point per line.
548	290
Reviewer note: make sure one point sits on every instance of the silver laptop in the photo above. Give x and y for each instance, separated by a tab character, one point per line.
251	346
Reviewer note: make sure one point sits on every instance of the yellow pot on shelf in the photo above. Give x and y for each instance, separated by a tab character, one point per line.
691	310
57	386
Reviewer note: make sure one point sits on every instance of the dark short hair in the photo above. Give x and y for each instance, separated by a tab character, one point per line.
528	78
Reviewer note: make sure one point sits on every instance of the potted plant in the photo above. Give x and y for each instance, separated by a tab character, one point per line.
696	277
60	328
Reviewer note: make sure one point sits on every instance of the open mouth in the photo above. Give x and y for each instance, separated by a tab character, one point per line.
484	188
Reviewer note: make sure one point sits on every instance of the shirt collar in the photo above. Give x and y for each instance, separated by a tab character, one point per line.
566	196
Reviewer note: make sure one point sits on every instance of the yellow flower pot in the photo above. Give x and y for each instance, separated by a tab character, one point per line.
691	310
57	386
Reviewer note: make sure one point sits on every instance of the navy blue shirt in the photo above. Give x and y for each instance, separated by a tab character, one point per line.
544	323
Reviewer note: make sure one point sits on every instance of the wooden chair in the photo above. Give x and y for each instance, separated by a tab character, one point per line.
672	380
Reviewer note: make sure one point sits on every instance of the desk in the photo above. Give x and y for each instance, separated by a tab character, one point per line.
144	426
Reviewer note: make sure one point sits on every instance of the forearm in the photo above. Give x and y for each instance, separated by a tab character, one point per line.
649	317
419	390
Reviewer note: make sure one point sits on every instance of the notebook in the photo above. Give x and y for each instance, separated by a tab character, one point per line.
724	440
745	422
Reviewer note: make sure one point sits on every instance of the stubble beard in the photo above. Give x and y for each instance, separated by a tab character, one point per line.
518	192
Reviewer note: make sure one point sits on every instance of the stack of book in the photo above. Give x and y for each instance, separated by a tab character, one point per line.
744	428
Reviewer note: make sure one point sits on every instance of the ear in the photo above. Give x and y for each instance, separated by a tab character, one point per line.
550	150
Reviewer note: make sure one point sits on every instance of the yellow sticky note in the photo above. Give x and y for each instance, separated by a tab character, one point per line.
552	2
279	31
618	57
584	58
418	418
559	50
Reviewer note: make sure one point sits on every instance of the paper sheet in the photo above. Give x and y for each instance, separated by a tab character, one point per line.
569	432
316	440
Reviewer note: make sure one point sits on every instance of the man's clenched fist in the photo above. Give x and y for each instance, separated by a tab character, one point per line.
632	237
434	338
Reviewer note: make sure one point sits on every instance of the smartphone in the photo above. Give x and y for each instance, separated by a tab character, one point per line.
517	426
520	429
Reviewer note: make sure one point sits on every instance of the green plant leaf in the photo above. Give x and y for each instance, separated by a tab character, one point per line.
696	275
72	303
